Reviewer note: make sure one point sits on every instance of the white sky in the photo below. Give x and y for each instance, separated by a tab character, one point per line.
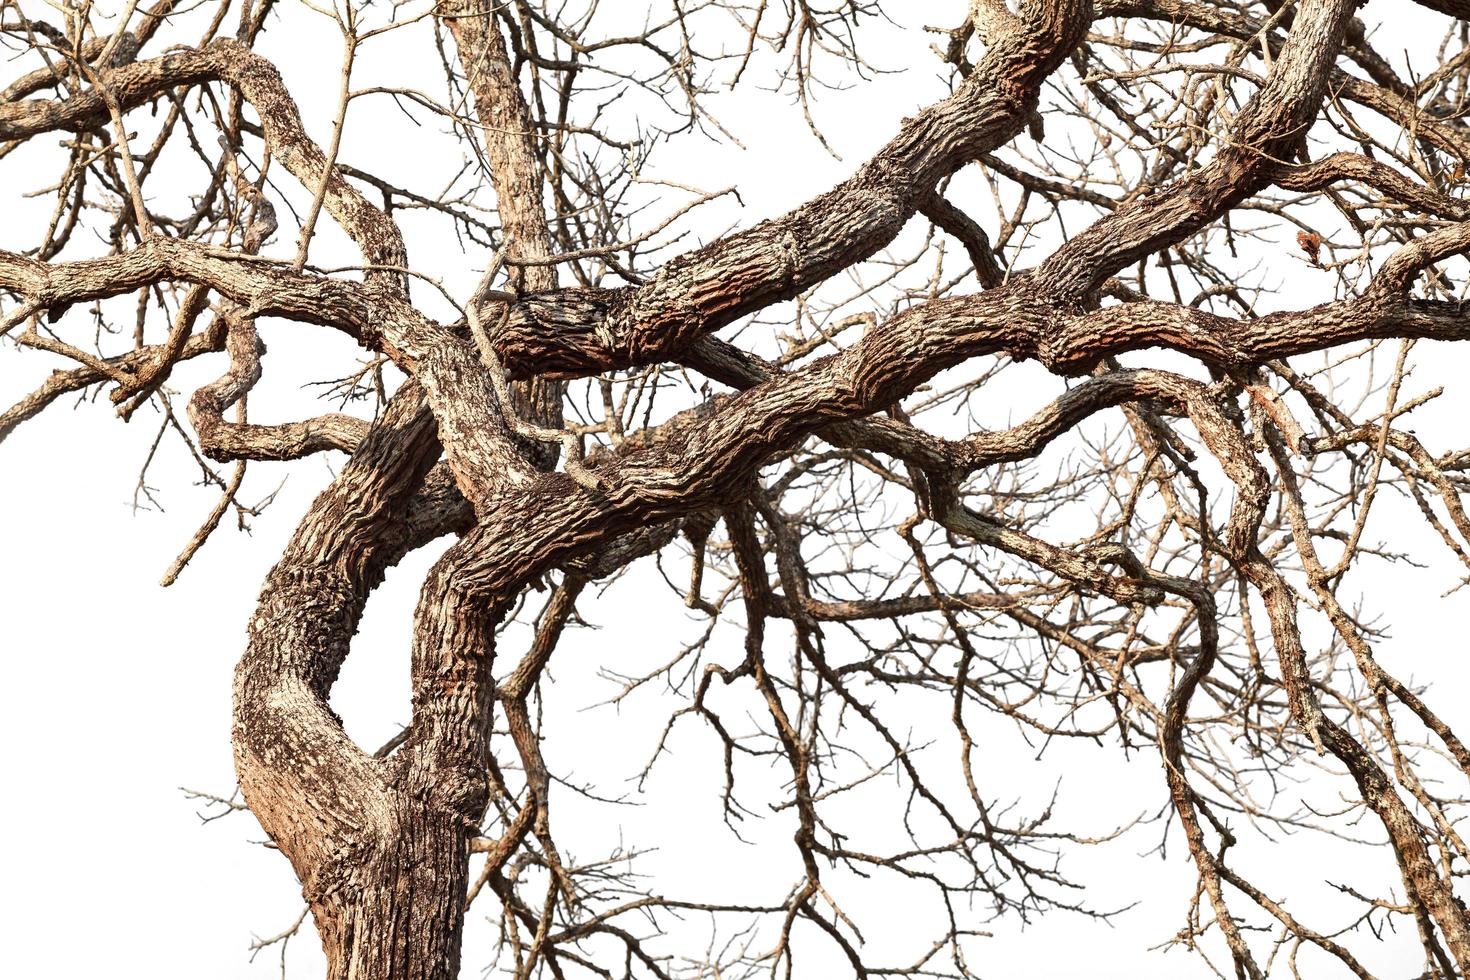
116	692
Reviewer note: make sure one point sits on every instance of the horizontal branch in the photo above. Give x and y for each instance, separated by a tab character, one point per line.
370	312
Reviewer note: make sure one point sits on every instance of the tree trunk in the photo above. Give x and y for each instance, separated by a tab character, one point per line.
379	844
392	906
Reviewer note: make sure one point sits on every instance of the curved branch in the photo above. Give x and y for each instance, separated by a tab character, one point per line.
579	332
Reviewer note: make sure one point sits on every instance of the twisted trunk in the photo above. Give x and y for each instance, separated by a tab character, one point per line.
379	844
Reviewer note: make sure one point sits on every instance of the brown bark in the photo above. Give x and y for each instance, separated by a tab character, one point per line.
379	845
508	136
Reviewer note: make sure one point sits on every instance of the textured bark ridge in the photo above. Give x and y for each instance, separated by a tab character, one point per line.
398	910
582	332
1231	503
381	858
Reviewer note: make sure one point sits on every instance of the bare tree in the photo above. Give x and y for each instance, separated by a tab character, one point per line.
788	416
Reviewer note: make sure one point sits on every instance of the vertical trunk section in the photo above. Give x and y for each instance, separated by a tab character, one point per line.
516	176
379	847
392	907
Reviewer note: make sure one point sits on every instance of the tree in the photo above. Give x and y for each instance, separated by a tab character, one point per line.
789	411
